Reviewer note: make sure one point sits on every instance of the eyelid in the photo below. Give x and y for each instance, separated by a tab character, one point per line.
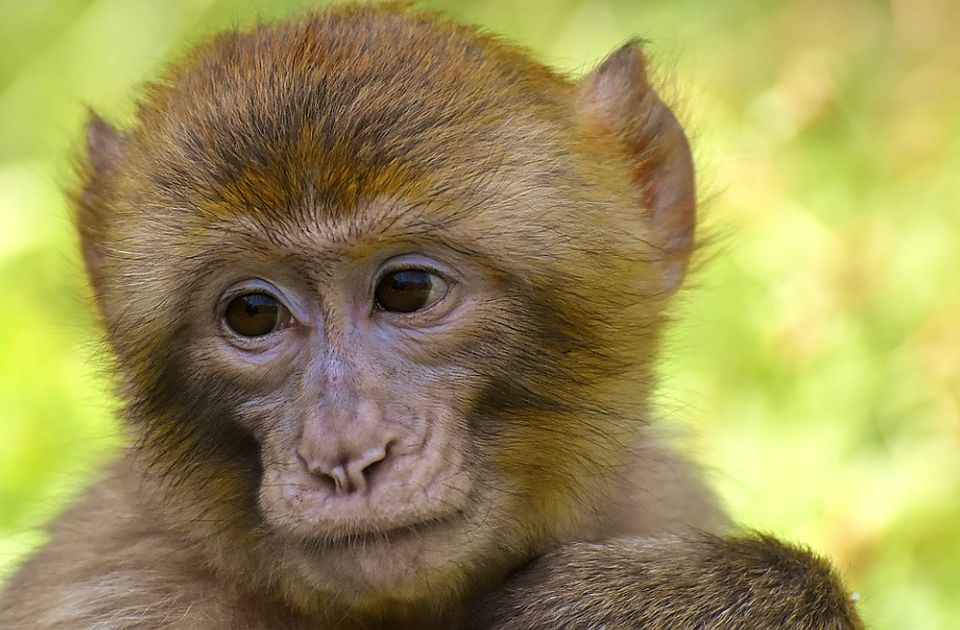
251	285
400	264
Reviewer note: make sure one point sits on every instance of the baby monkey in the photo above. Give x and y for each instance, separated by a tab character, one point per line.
384	295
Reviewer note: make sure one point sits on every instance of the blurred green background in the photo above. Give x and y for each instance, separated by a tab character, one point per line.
815	367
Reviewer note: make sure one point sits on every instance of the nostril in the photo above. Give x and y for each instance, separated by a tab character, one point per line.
341	483
334	479
373	471
346	476
377	466
360	468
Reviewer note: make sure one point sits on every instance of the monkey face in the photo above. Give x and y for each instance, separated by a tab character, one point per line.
382	320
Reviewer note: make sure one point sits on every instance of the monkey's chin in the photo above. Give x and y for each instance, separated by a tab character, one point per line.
405	563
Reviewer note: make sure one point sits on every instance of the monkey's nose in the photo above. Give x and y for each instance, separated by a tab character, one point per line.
347	473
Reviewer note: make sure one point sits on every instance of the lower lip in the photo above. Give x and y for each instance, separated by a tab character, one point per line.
392	536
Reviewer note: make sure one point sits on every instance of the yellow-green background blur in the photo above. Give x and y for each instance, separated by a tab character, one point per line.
816	365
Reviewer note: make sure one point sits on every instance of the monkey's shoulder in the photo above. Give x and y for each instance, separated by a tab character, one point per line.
109	565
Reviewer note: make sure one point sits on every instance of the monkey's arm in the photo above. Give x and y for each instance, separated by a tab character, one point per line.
707	582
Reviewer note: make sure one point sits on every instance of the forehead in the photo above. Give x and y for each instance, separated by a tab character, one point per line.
335	110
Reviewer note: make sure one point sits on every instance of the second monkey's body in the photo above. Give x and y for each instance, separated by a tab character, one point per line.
384	295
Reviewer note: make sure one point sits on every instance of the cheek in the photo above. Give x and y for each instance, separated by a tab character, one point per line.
261	392
257	372
274	419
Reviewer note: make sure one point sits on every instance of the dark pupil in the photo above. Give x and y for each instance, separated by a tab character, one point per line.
253	315
404	291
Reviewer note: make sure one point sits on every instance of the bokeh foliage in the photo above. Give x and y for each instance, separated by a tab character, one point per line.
816	363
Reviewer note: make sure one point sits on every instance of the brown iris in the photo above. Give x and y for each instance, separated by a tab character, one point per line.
254	314
409	290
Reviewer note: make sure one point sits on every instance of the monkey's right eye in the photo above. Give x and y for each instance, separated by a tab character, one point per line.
255	315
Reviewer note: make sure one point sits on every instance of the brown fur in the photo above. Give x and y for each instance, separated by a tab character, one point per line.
308	146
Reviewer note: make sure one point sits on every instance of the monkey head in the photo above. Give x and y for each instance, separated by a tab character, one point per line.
382	309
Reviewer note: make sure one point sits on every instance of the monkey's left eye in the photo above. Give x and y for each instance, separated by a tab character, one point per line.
409	290
255	315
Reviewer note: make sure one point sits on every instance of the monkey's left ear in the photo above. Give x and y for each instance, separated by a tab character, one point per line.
92	212
617	99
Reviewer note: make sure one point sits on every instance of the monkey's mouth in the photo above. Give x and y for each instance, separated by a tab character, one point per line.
359	532
363	537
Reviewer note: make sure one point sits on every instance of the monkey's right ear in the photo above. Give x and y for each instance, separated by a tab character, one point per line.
617	100
92	213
